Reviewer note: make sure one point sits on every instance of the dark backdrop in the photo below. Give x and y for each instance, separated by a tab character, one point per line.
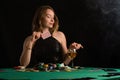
93	23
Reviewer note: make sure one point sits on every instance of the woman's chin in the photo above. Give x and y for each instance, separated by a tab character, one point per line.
50	26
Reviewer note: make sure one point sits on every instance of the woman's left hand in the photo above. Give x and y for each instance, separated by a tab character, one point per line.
75	45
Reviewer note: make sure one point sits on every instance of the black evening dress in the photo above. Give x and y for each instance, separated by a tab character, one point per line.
47	50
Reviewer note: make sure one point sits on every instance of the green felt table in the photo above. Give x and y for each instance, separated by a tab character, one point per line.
84	73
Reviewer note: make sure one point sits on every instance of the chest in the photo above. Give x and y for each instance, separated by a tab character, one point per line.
48	45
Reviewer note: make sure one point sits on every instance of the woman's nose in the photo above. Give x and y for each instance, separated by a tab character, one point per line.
52	20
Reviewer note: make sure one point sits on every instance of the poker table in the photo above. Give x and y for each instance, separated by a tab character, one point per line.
82	73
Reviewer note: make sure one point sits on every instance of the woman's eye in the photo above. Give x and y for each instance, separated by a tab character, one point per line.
48	16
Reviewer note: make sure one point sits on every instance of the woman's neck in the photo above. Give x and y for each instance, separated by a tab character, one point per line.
45	30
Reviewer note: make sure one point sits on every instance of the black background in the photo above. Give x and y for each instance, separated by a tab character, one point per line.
93	23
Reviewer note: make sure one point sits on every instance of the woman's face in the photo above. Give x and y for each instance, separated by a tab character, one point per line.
48	19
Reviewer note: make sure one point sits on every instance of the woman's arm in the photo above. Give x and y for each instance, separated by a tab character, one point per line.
66	51
63	42
27	48
26	53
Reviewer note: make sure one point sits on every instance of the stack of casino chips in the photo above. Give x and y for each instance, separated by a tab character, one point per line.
49	66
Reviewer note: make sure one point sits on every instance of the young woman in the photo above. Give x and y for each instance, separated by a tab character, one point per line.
46	44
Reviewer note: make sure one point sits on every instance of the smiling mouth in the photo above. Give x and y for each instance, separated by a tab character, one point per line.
51	23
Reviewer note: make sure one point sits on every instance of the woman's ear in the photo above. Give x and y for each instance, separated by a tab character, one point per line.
40	23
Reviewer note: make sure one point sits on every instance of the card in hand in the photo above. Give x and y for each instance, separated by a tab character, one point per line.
46	35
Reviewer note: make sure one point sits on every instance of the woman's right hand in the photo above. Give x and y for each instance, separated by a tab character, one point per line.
35	36
32	39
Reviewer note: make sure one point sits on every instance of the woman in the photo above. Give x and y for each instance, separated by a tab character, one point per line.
46	44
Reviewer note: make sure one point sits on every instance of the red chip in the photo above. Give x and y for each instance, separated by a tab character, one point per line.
19	67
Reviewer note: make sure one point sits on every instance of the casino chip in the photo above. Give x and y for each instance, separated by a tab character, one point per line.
20	68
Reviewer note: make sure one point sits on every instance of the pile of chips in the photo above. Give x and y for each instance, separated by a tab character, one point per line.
52	67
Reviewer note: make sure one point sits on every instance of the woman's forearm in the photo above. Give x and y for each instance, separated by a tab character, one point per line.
25	57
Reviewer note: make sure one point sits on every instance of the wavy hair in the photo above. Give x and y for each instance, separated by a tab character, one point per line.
39	14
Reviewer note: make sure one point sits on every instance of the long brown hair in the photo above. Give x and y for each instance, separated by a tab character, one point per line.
36	26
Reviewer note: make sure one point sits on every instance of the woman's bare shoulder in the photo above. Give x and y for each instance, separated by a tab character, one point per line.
59	33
